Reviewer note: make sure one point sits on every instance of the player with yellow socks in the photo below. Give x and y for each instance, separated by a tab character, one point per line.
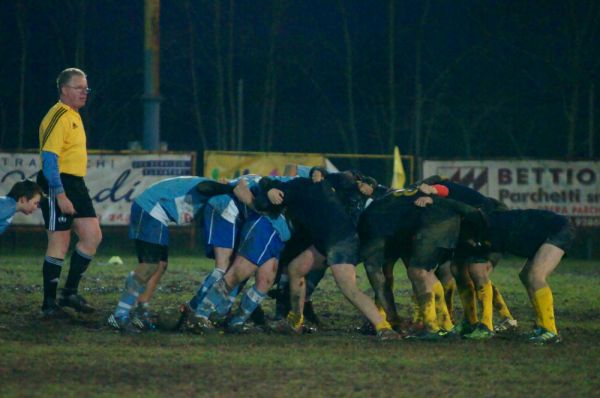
542	237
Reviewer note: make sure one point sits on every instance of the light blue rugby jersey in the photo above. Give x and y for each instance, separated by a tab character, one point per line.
8	208
230	208
173	200
227	205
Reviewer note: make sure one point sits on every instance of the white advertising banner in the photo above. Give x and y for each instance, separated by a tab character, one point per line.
113	180
568	188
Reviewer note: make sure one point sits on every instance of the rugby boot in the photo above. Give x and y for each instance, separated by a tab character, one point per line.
243	328
428	335
144	319
75	301
416	328
542	336
284	327
388	335
123	325
463	328
481	332
506	325
51	310
199	325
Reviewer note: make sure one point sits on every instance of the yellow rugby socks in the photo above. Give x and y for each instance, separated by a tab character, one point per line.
381	310
467	298
383	325
427	306
442	314
500	304
485	296
416	311
545	308
449	289
295	320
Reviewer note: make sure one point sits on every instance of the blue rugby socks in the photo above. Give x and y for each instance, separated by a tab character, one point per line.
210	280
216	297
133	288
250	301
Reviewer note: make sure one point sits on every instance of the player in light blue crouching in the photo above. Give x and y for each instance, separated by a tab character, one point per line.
171	201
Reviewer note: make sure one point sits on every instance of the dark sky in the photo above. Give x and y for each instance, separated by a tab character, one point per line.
498	78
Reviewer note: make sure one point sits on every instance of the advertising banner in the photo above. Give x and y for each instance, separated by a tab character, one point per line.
568	188
113	180
223	164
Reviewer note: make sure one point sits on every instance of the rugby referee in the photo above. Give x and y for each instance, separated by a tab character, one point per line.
68	204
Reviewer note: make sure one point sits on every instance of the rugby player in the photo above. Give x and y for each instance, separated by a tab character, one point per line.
355	191
541	236
472	274
262	238
171	201
223	218
334	243
393	227
23	197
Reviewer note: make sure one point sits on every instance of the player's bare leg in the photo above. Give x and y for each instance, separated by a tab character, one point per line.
533	275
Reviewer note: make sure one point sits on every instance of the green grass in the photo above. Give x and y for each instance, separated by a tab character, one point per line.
83	357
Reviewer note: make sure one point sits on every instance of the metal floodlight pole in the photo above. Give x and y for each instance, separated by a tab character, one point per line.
151	98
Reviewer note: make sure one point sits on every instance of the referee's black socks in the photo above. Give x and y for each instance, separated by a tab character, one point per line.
51	272
79	263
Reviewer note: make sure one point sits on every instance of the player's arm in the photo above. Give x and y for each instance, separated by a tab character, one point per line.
55	186
214	188
431	180
275	194
469	213
51	148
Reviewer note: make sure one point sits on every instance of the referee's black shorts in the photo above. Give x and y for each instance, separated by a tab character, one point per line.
78	194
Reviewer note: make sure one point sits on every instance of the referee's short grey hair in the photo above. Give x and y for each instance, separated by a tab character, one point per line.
65	76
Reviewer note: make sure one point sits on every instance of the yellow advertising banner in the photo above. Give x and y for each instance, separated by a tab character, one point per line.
232	164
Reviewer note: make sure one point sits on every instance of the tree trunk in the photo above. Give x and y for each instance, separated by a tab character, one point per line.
220	116
349	80
270	88
21	17
196	108
231	87
392	73
419	100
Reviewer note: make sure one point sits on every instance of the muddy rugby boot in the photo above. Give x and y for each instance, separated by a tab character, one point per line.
199	325
76	302
542	336
284	327
481	332
123	325
144	319
427	335
506	325
51	311
388	335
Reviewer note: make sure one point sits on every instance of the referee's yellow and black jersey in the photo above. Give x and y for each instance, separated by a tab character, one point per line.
62	133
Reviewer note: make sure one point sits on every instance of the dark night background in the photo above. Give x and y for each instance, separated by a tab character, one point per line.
472	79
